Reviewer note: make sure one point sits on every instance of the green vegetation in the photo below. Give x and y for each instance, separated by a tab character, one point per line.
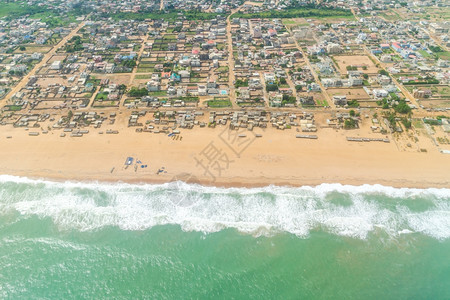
52	20
422	81
241	83
435	49
406	123
14	107
14	10
102	96
390	116
143	76
189	99
297	12
349	124
288	100
136	92
169	15
129	63
271	87
402	107
424	53
353	103
218	103
158	93
383	72
74	44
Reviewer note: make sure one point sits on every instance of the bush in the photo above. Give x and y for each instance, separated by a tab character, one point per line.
406	123
353	103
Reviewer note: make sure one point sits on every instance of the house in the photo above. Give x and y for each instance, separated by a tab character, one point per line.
340	100
184	74
380	93
202	91
334	48
56	65
383	79
153	86
308	100
313	87
422	93
386	58
175	77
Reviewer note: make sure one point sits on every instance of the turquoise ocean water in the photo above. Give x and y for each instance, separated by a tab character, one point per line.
183	241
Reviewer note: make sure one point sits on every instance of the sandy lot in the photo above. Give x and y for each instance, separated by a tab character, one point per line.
275	158
355	60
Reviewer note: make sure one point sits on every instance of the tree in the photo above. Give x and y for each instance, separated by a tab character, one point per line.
349	124
298	88
402	108
22	48
383	72
352	113
365	76
271	87
282	80
136	92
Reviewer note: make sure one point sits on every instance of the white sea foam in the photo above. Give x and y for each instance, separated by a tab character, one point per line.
353	211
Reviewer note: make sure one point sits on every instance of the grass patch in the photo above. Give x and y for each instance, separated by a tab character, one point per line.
143	76
298	12
218	103
158	93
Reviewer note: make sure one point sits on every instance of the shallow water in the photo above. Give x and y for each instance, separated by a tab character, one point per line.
176	240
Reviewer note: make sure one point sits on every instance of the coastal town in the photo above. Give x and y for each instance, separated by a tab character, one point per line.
365	71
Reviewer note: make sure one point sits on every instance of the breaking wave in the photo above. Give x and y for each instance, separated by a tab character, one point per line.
354	211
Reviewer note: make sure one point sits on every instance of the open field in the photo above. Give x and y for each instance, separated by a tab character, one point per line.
29	49
359	61
351	93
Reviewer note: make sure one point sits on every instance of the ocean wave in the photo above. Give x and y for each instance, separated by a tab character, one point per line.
344	210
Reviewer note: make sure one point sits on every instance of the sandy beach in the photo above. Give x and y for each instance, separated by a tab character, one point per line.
217	157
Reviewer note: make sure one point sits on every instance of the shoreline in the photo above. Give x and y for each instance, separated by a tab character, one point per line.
277	158
239	182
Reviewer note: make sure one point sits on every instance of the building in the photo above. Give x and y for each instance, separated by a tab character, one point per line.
56	65
340	100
